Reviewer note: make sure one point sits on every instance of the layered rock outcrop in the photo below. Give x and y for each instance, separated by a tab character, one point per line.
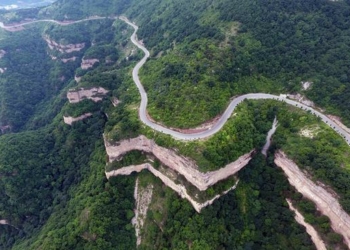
94	94
309	229
71	59
180	189
180	164
88	63
324	200
64	48
70	120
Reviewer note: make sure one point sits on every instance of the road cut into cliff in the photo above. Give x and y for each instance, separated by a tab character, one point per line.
324	200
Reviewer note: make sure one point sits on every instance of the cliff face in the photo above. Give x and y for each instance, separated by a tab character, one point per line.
94	94
88	63
64	48
325	201
180	164
180	189
309	229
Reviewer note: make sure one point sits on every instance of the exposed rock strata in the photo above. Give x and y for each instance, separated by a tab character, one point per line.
70	120
88	63
180	189
309	229
64	48
94	94
71	59
143	198
325	202
180	164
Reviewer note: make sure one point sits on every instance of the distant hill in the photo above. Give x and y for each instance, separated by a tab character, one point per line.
16	4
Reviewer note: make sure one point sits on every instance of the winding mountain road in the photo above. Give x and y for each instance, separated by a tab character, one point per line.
225	116
64	23
220	123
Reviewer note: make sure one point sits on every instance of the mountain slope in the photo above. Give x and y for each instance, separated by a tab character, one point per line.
202	54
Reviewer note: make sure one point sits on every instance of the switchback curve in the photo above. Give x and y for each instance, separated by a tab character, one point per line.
231	107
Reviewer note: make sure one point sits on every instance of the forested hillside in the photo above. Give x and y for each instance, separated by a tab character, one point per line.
54	192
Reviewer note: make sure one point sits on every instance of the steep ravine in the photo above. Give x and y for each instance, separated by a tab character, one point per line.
325	202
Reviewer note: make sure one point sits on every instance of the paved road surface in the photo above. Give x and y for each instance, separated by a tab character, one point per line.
63	23
220	123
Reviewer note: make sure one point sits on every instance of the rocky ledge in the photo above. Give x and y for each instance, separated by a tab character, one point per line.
324	200
88	63
70	120
94	94
64	48
319	243
180	164
180	189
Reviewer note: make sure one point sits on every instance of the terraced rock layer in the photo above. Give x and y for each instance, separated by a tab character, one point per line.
94	94
325	201
180	189
309	229
64	48
180	164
